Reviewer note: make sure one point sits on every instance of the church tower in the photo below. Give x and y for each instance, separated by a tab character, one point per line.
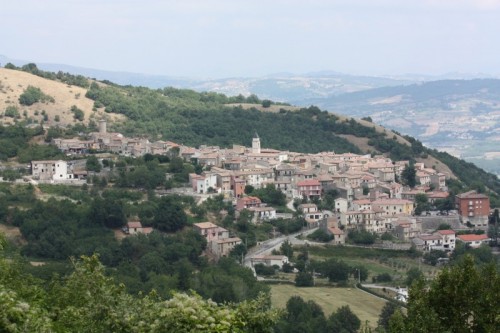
256	144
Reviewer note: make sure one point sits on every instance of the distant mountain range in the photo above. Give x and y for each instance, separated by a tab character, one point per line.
458	116
456	112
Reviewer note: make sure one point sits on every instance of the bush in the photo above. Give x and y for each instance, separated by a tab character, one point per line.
304	279
384	277
320	236
77	113
261	269
33	95
11	111
362	237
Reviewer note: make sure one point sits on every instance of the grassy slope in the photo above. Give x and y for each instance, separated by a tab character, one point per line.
14	82
364	305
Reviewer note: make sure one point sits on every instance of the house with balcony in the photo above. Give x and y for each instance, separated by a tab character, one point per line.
448	239
309	188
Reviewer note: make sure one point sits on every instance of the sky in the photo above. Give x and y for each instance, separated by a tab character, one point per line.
250	38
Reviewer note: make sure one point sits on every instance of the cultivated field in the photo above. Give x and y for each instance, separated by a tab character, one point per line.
364	305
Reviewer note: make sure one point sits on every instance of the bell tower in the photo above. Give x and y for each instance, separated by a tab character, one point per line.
256	144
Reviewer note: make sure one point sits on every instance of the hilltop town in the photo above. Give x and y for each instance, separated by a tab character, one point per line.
372	193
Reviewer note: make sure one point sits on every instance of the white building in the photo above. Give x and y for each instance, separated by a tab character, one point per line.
270	260
341	205
51	170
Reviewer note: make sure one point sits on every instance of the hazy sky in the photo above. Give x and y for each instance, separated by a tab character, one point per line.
212	38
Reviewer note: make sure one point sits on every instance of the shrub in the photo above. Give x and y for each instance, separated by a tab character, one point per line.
77	113
11	111
320	236
362	237
384	277
34	95
261	269
304	279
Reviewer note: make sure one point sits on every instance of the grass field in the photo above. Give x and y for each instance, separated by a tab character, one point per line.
364	305
377	261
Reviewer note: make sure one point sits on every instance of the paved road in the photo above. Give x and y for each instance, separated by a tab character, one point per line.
268	246
396	290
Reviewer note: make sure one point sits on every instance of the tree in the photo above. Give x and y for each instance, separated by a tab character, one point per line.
335	270
90	301
301	316
412	275
422	202
320	235
432	256
32	95
78	114
266	103
261	269
93	164
493	227
249	189
304	279
343	320
361	237
386	314
359	273
444	205
286	249
170	215
444	226
408	176
462	298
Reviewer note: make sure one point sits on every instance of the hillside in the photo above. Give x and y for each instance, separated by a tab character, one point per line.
458	116
192	118
13	83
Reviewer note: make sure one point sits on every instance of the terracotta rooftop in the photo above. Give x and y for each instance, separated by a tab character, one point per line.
134	224
309	182
473	237
205	225
446	232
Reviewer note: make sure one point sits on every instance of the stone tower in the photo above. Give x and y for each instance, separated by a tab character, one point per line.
102	126
256	144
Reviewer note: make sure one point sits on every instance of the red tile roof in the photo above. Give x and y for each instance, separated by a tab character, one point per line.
472	238
309	182
446	232
134	224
